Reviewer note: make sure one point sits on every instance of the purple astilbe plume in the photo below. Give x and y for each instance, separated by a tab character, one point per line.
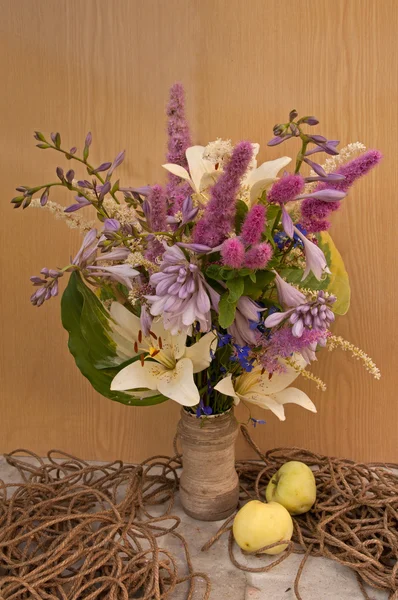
233	253
286	189
158	208
315	212
253	225
48	286
179	139
313	314
181	294
217	221
283	344
258	256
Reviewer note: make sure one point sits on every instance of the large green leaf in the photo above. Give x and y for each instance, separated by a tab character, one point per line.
90	343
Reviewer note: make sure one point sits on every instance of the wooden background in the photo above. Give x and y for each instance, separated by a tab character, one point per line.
79	65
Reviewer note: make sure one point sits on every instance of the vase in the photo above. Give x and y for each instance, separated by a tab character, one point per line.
209	484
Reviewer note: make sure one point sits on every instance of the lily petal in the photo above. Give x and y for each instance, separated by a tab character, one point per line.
127	321
225	386
198	166
178	384
259	179
266	402
137	375
199	353
294	396
178	171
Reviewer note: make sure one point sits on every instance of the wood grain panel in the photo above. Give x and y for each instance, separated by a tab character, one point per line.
106	66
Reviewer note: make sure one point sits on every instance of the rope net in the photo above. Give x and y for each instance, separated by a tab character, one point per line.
72	530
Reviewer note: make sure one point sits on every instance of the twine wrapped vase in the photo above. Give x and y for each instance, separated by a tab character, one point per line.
209	485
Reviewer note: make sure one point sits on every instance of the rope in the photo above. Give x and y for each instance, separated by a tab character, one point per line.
73	530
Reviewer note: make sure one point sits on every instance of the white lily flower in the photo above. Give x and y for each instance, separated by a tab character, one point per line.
171	366
203	174
272	394
261	178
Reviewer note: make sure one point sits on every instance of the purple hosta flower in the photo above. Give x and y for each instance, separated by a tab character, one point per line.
188	213
217	221
181	293
156	200
241	355
247	312
325	195
81	202
288	295
198	248
253	225
314	257
233	253
121	273
323	145
88	250
314	314
116	163
48	286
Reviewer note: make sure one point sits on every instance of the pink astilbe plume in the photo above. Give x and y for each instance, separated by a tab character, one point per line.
286	189
179	139
254	225
158	208
218	219
315	212
259	256
233	253
283	344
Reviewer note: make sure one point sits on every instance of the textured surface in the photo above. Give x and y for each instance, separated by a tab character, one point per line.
322	579
106	66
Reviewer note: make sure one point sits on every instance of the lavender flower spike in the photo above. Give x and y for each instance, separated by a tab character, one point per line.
315	258
158	209
217	221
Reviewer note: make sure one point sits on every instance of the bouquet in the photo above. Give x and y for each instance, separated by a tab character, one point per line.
215	288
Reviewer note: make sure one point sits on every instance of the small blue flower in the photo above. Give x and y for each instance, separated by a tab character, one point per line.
242	356
280	239
223	339
203	410
256	422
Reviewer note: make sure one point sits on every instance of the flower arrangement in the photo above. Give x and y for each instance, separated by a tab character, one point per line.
216	288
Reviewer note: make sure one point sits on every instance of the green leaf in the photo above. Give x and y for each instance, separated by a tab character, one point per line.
226	311
255	289
241	212
213	272
253	277
235	287
83	337
227	273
